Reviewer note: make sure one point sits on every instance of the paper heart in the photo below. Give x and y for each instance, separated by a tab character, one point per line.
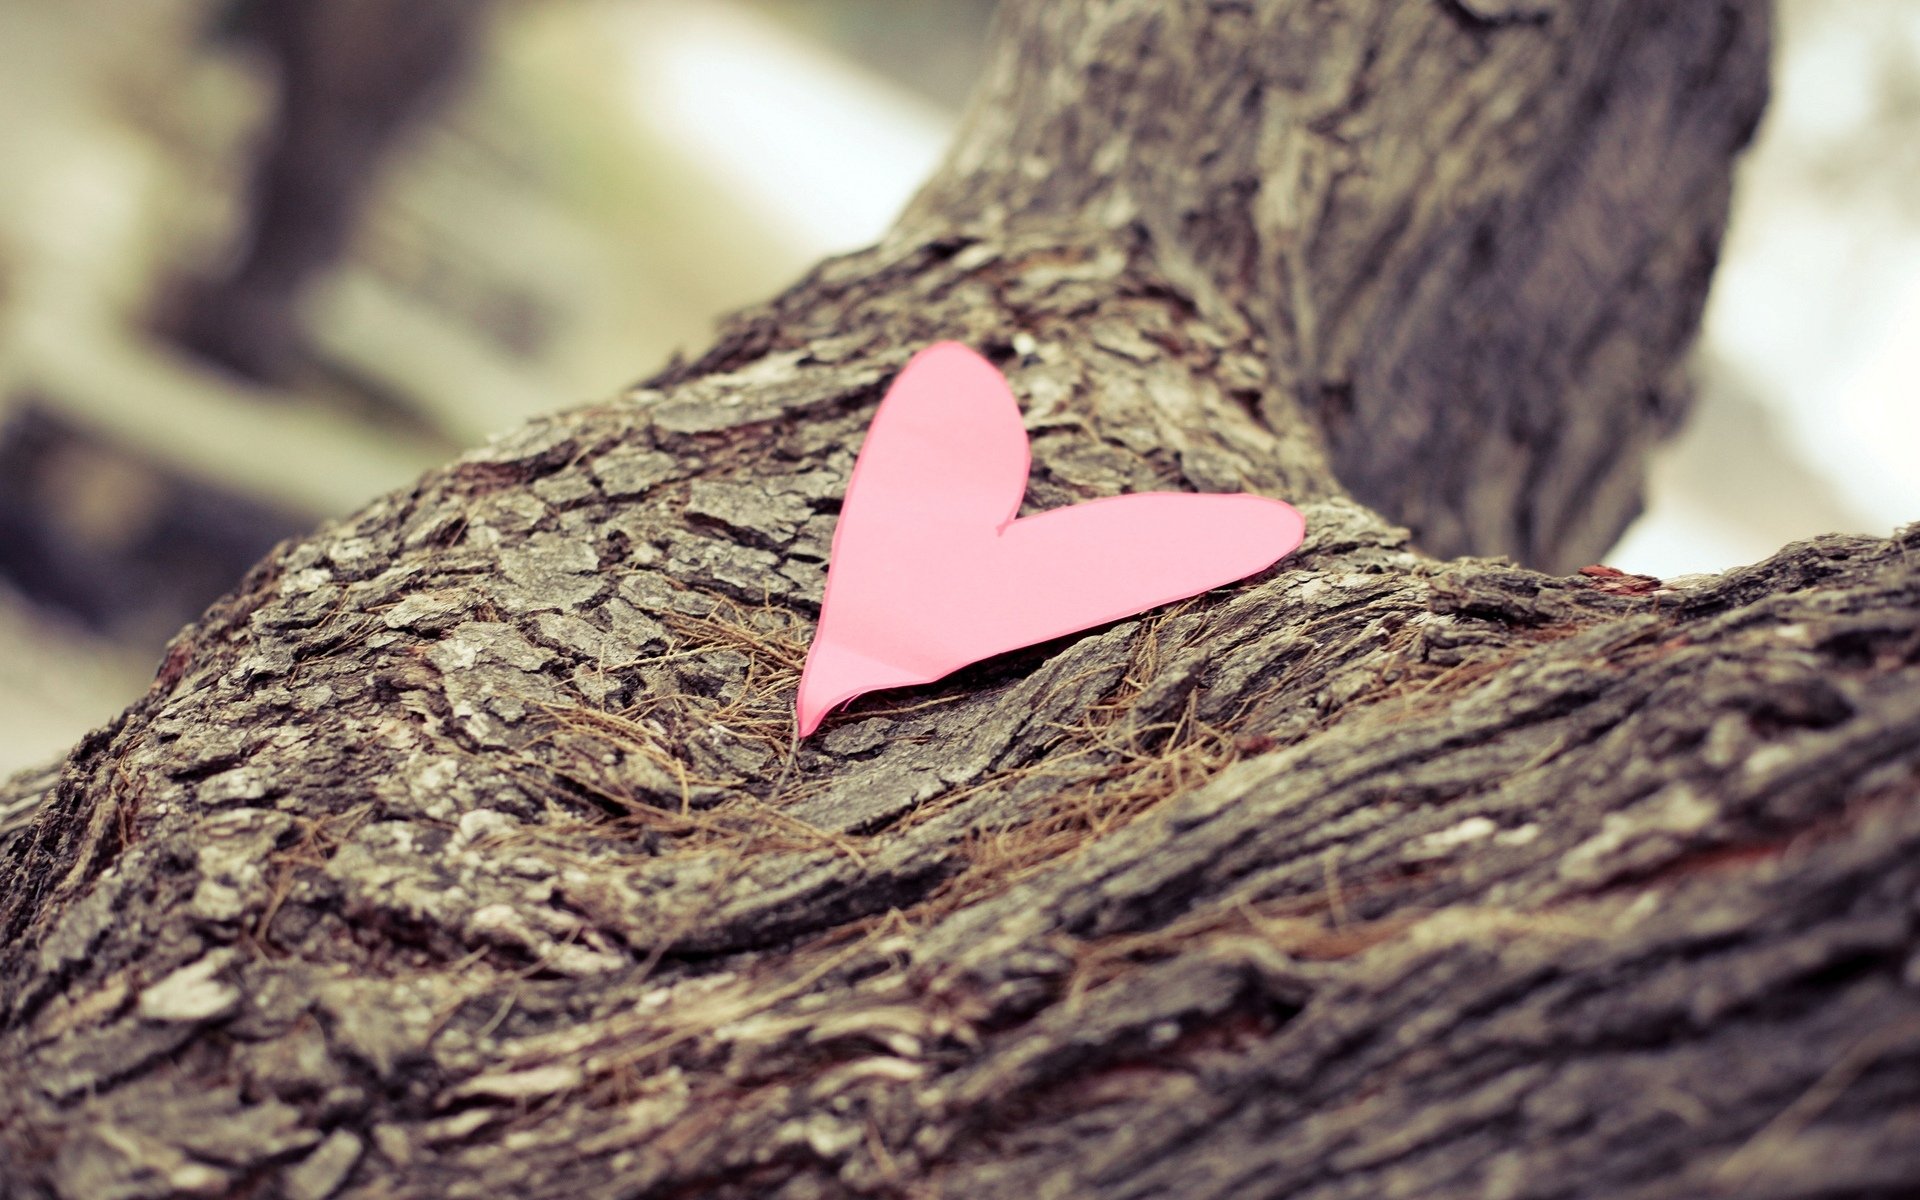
931	571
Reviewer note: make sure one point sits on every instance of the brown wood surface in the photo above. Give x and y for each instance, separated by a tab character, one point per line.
455	853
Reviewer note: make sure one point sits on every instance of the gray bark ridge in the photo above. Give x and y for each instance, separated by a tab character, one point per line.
455	854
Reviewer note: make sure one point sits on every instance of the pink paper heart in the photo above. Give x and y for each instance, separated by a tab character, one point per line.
931	571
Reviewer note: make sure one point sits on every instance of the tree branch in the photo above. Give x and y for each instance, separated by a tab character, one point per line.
456	852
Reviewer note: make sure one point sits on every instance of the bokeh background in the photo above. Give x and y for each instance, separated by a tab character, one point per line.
263	259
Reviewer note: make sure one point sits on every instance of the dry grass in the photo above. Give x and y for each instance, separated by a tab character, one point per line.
319	838
1111	771
741	825
772	640
686	797
1302	927
1104	770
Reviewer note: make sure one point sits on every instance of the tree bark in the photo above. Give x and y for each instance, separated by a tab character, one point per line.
456	853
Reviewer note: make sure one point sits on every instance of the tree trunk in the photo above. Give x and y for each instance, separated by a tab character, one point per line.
351	76
456	853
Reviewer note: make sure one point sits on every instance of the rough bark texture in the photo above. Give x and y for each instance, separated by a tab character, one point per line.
454	853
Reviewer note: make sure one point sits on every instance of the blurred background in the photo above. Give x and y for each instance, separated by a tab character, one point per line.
263	259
